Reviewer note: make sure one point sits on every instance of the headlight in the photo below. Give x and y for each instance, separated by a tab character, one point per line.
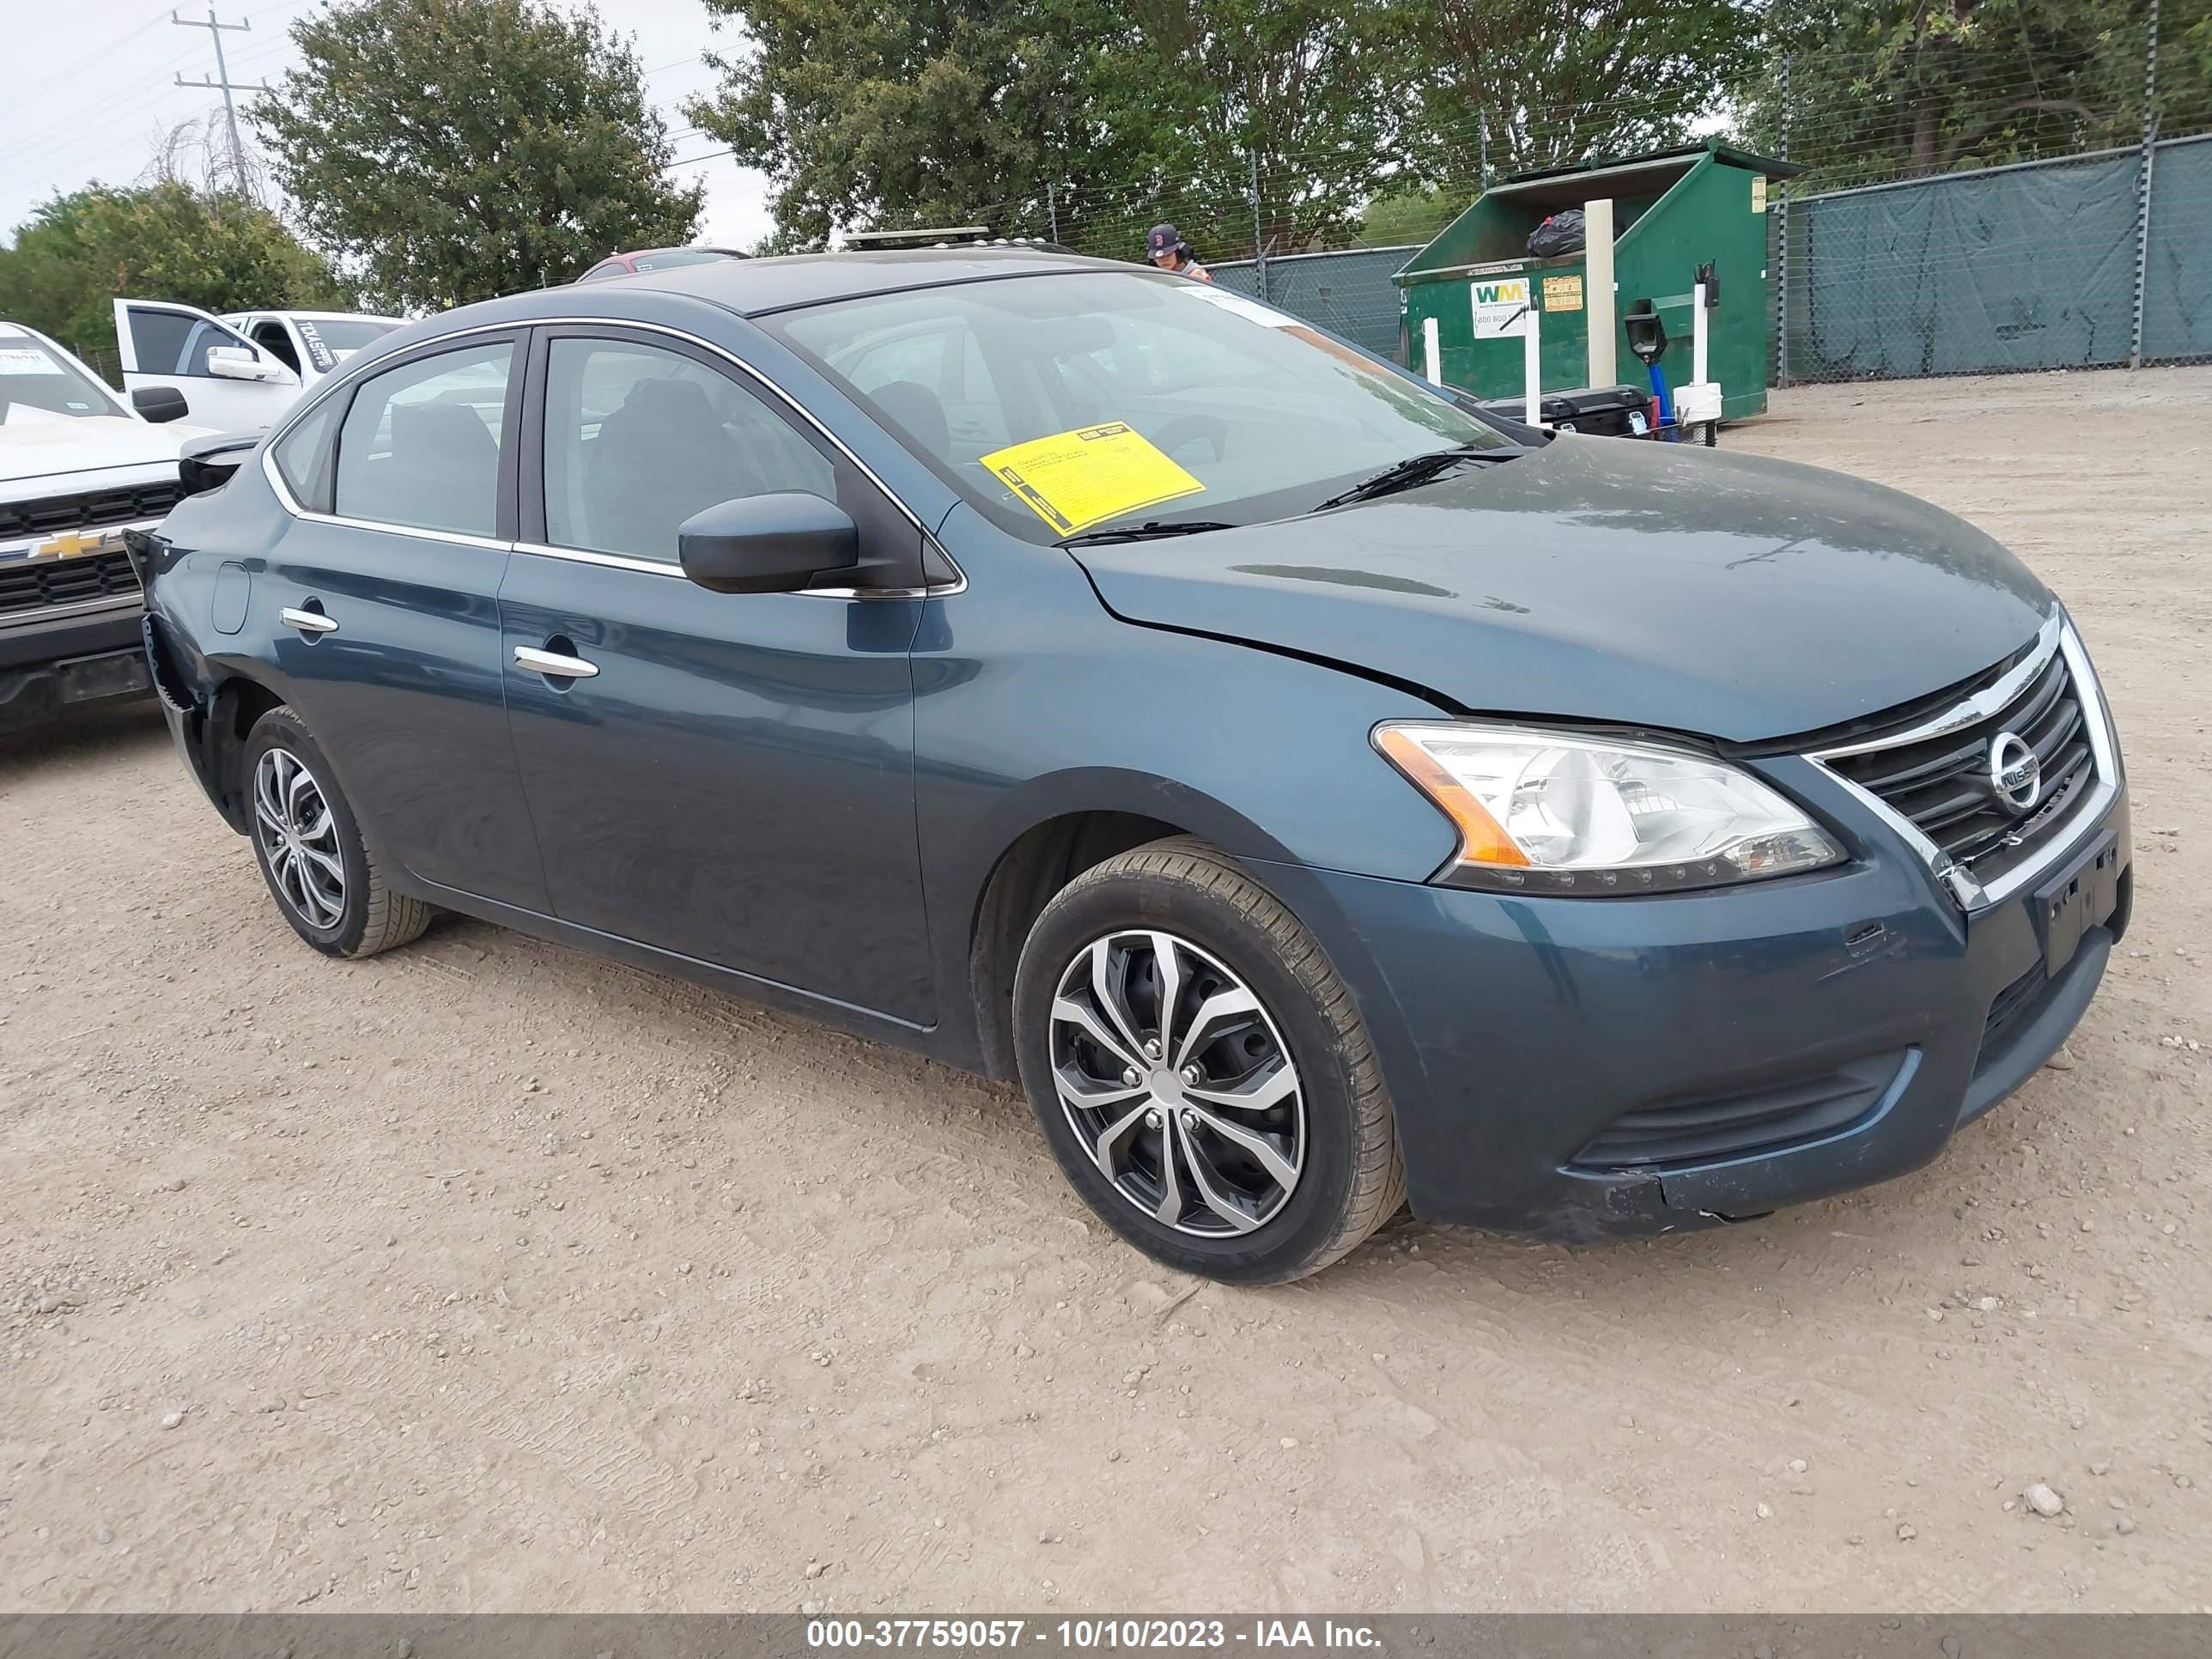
1540	811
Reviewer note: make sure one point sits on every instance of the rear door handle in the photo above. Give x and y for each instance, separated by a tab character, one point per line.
561	667
310	623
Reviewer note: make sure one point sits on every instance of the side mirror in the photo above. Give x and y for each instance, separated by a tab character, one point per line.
239	363
775	544
160	402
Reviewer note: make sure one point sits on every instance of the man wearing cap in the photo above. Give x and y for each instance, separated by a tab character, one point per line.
1167	249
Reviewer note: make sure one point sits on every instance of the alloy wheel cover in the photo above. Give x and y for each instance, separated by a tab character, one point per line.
299	836
1176	1081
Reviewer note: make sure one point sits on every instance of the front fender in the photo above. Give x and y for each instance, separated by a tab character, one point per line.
1033	702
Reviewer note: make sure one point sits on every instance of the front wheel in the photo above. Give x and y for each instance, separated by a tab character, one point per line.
1200	1070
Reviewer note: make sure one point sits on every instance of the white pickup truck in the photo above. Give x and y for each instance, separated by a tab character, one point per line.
78	467
242	370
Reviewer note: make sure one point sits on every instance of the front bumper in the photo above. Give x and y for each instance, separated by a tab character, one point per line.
47	664
1521	1037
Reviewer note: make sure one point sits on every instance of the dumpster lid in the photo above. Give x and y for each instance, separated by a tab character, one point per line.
1650	175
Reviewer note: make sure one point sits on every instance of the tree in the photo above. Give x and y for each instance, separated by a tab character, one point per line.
453	149
1514	84
1410	215
1881	90
1017	114
1298	96
166	241
912	114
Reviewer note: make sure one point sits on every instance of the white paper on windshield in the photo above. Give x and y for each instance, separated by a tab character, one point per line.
1265	316
27	360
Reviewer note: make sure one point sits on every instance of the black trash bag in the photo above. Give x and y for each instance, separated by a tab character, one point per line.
1560	233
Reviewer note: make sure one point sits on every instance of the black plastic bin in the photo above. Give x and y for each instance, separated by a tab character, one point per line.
1604	411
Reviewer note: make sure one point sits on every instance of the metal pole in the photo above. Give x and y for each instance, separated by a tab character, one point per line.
1532	363
1782	239
222	82
229	109
1700	350
1259	251
2142	186
1051	210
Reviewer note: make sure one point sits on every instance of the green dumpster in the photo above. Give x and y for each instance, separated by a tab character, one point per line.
1672	211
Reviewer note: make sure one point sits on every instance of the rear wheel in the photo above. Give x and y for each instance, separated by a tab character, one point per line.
324	880
1200	1070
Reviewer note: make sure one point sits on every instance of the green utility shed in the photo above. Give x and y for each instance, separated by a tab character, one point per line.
1672	211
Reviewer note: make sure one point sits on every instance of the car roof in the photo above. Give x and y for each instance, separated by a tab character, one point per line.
751	287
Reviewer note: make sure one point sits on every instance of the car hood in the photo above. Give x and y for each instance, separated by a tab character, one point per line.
83	443
1608	580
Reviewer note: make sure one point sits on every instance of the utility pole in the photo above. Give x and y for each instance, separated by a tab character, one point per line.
222	83
2142	186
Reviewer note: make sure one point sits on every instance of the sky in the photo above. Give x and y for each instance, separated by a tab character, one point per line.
101	80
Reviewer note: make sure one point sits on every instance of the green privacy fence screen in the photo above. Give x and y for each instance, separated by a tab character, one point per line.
2029	267
2177	272
1349	292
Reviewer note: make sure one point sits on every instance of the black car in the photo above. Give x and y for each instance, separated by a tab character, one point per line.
1313	792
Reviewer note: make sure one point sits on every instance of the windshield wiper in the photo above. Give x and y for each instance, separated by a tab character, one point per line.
1418	469
1145	531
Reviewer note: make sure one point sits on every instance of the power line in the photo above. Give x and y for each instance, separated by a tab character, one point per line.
65	80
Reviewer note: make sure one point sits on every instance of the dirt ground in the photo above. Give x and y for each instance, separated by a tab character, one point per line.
488	1275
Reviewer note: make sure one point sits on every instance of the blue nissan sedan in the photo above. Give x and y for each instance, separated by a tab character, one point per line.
1319	797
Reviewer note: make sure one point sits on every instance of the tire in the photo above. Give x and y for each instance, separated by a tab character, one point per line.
326	881
1250	1195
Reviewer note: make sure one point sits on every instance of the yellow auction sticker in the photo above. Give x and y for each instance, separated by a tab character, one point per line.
1093	473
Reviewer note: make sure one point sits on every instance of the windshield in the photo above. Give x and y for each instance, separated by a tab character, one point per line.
1062	404
347	334
38	383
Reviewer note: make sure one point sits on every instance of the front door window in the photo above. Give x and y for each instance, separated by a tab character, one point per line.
638	439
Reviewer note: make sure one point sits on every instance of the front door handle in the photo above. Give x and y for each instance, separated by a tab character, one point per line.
555	663
313	623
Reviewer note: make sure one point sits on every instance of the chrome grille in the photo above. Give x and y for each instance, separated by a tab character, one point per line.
1935	772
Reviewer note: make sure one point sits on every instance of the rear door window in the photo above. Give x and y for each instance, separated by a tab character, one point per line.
303	455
